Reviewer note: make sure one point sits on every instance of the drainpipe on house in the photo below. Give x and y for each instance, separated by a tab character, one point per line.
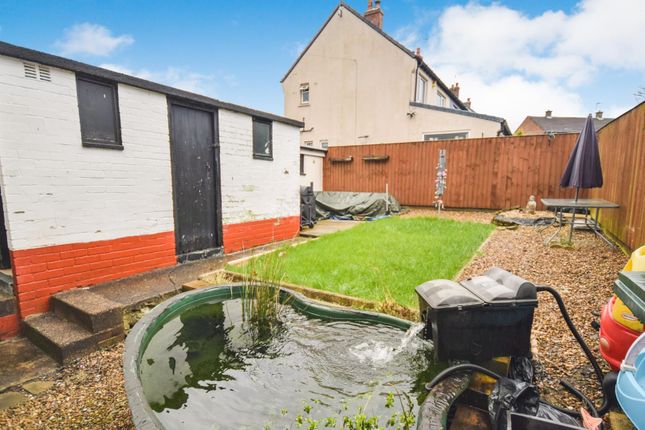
418	57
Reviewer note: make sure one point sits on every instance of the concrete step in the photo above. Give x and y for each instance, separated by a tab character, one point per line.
91	311
61	339
7	304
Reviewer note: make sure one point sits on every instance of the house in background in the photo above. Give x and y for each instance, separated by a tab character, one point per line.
354	84
549	124
104	175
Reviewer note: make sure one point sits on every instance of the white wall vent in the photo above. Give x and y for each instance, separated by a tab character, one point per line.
44	73
37	71
30	71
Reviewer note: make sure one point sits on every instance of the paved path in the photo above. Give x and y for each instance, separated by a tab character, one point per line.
22	361
328	226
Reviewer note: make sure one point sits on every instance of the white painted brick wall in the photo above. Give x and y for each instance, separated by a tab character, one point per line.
257	189
54	190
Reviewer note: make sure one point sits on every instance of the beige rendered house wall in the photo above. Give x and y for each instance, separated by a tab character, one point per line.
361	85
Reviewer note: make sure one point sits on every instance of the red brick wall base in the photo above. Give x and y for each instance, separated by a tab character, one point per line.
9	326
41	272
255	233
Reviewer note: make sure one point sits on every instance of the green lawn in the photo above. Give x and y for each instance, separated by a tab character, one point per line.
394	254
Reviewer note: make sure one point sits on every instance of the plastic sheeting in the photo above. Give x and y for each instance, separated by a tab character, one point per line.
347	205
514	396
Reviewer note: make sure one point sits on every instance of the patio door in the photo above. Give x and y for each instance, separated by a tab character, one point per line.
196	188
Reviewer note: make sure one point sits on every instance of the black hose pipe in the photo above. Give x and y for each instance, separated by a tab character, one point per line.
469	367
597	370
466	367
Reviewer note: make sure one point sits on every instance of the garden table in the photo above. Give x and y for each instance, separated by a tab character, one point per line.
559	205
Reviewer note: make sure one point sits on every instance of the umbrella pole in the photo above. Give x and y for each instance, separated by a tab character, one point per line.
573	220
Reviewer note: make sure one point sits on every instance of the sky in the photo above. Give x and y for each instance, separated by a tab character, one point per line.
512	58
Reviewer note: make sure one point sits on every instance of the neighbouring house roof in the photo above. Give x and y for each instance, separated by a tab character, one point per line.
566	124
87	69
503	124
422	64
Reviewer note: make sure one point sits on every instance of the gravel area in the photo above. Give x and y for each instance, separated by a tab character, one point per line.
583	275
89	394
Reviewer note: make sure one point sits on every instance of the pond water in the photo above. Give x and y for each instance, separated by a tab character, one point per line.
206	369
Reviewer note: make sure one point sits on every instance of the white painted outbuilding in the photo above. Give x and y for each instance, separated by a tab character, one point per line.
104	175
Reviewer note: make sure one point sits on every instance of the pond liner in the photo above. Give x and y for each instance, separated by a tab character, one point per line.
143	417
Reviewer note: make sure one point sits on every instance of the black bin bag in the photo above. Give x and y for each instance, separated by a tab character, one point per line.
510	395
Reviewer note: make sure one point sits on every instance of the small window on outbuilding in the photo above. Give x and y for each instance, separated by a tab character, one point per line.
302	165
304	94
262	139
99	113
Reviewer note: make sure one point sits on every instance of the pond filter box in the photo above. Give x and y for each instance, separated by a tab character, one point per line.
480	318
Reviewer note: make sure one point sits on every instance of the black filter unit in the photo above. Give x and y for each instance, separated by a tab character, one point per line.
307	206
480	318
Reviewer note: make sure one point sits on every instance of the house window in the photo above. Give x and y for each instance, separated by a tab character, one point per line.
304	94
99	113
445	136
262	139
302	165
324	144
422	83
441	99
309	143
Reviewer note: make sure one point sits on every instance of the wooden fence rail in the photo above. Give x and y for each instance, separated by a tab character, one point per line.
622	152
501	172
484	173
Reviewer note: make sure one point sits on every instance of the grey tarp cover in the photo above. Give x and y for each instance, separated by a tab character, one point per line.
348	205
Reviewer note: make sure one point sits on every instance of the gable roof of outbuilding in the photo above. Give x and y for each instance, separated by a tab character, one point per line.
421	63
87	69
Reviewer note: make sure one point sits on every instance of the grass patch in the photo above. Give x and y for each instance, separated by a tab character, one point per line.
383	260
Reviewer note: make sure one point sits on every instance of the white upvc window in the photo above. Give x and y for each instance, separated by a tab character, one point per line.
441	99
422	84
304	94
449	135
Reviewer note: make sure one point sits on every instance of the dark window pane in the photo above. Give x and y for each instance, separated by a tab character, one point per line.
97	107
302	164
262	145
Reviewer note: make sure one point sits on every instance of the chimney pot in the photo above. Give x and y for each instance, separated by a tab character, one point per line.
599	114
468	103
455	89
374	14
548	114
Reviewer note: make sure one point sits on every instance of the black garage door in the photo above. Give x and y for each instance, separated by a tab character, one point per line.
195	166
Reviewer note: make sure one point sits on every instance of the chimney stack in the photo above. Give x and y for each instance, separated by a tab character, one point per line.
417	53
455	89
599	114
374	14
468	103
548	113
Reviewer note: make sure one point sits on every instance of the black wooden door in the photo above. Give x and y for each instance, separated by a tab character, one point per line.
195	176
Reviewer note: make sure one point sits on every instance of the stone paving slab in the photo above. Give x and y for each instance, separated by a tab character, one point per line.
11	399
328	226
22	361
37	387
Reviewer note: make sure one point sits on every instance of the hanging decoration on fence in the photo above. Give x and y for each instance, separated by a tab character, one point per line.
440	181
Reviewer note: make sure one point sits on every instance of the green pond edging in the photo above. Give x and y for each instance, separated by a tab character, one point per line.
143	417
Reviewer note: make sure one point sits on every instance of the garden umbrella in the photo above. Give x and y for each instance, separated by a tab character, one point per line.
583	169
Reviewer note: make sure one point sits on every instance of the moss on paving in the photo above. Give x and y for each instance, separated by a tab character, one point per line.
383	259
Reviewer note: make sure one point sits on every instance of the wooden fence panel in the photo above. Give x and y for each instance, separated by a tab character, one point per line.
485	173
622	152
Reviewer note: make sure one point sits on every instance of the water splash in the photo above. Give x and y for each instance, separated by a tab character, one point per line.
376	352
